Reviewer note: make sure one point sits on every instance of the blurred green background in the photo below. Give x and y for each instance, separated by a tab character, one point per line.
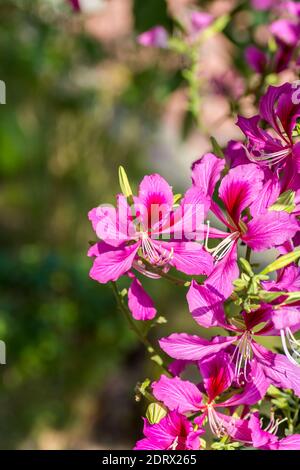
82	98
77	107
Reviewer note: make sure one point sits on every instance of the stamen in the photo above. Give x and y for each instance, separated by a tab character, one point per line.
273	425
289	342
141	268
221	250
269	158
242	355
215	423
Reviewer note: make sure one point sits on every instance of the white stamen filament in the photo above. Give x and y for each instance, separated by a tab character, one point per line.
224	247
174	444
215	423
289	342
269	158
242	355
151	253
273	425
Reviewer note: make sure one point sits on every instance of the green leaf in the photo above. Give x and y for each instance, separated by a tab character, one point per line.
281	262
285	202
216	148
155	412
246	266
269	296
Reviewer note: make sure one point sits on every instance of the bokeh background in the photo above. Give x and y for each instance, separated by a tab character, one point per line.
83	98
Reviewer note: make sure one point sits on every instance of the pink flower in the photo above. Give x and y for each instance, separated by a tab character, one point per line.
156	235
239	190
139	302
155	37
206	307
264	4
173	432
128	244
218	376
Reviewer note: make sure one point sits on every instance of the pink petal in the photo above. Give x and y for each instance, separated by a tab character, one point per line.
260	438
286	31
206	306
177	394
224	273
206	173
191	347
268	102
189	258
239	188
217	373
289	443
269	229
139	302
256	59
113	262
286	317
155	200
268	195
200	20
188	220
236	428
278	368
155	37
235	154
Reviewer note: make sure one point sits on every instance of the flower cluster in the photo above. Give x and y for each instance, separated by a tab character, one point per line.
251	191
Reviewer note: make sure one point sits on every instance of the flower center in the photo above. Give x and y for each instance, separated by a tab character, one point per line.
271	158
151	253
290	343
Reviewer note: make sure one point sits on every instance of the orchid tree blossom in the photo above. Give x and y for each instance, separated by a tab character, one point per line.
159	236
207	310
149	234
238	192
218	376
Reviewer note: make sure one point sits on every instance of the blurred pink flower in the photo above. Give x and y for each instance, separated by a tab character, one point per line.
154	37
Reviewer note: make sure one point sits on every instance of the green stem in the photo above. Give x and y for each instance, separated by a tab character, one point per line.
154	355
248	254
